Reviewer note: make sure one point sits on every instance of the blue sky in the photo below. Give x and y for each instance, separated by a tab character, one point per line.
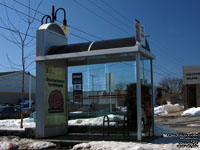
173	26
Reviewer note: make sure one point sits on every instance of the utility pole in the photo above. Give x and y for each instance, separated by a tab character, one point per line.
92	83
109	81
30	101
93	86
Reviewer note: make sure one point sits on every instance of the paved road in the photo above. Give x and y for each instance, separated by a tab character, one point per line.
182	124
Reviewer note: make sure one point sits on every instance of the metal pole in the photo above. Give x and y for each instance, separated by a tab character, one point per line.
109	77
92	87
30	102
139	118
143	72
53	14
92	84
153	98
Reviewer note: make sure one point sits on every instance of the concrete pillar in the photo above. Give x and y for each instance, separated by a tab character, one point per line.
50	121
40	100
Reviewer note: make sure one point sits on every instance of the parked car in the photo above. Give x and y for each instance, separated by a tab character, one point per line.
27	112
9	112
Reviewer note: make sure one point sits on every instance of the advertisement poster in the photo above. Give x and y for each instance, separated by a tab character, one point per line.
55	96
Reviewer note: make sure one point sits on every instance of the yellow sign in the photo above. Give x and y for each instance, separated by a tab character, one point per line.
55	96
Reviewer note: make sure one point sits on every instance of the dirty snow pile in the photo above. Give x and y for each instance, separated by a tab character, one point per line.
192	112
13	142
103	145
168	108
14	124
160	110
98	121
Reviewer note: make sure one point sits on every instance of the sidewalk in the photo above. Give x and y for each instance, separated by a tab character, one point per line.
73	139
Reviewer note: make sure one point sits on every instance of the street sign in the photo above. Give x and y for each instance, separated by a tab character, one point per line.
77	78
139	29
77	81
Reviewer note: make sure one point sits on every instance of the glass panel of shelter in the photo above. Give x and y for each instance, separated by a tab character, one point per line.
109	92
146	94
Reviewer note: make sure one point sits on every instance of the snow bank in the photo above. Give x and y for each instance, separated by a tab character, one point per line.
98	121
159	129
76	112
41	145
103	145
160	110
192	112
13	142
14	124
7	145
194	125
168	108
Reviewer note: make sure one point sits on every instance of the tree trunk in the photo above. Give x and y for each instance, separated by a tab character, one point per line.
22	90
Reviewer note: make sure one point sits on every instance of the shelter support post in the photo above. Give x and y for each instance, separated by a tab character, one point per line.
51	84
153	99
139	118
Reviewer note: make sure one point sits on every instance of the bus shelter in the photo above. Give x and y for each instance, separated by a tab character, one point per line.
127	90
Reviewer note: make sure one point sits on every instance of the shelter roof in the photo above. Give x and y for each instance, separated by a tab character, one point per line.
96	45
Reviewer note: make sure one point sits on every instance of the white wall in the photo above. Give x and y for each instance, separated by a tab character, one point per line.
10	86
191	74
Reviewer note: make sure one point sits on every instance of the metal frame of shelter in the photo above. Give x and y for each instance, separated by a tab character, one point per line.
53	53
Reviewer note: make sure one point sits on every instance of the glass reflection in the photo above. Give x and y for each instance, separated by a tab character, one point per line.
109	92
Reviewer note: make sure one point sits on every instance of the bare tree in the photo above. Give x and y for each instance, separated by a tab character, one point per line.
172	86
22	38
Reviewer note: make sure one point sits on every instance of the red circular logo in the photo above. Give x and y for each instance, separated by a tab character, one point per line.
56	100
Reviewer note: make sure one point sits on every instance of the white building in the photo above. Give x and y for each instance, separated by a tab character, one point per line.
191	86
11	85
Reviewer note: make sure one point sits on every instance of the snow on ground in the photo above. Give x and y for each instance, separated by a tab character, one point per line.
14	124
13	142
76	112
98	121
160	110
194	125
192	112
104	145
163	143
168	108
